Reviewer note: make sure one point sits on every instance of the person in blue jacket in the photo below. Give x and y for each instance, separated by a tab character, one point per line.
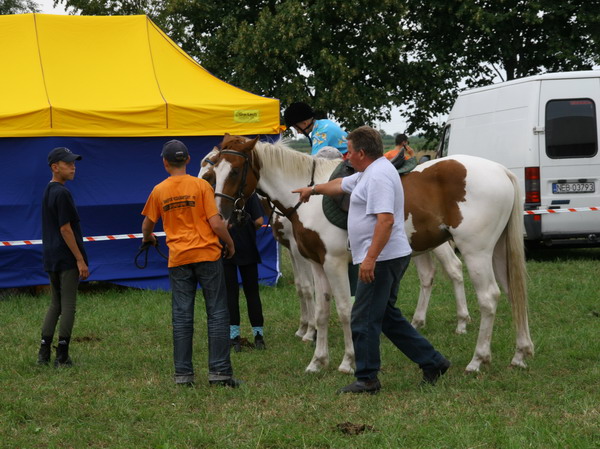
320	133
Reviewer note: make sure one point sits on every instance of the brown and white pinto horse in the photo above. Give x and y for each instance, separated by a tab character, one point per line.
303	277
473	201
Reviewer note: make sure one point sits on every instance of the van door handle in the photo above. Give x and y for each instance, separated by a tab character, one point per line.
538	130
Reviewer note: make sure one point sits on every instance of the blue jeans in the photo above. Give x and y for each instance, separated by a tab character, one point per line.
184	280
375	311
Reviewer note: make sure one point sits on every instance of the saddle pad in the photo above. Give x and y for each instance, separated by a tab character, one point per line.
335	208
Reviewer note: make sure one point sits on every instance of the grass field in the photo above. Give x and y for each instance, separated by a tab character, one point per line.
120	392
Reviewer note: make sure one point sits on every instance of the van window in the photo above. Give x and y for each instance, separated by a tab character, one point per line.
443	147
571	128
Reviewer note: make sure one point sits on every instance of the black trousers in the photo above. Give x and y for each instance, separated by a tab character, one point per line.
249	274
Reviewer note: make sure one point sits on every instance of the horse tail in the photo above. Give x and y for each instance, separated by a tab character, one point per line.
516	267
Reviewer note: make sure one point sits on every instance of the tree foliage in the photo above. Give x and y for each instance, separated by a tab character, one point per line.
355	59
18	6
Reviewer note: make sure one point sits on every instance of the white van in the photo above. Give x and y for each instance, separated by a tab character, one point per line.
545	129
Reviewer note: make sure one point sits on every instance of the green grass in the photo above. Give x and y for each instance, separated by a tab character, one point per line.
120	392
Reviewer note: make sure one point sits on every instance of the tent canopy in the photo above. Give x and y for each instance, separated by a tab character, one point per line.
113	76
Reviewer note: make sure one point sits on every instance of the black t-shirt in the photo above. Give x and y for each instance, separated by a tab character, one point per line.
244	236
58	209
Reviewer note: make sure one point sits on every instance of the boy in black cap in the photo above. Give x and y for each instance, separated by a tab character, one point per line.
64	257
186	205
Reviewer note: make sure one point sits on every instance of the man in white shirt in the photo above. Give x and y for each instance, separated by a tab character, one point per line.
379	244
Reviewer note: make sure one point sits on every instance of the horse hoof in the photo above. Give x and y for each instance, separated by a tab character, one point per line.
312	369
308	338
418	324
518	364
345	369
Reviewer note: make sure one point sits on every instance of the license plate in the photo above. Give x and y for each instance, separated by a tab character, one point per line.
573	187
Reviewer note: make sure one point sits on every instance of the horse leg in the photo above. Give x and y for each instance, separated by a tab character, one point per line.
337	274
453	268
426	272
322	311
482	275
303	280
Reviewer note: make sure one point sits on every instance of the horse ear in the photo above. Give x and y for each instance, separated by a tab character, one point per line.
249	146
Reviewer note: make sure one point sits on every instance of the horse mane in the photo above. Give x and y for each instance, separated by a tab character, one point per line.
279	157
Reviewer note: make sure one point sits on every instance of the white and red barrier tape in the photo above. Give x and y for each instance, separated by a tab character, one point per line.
96	238
560	211
100	238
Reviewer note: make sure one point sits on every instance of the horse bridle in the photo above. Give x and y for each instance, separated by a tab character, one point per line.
239	200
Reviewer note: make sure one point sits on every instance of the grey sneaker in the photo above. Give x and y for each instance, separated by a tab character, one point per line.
231	383
362	386
184	379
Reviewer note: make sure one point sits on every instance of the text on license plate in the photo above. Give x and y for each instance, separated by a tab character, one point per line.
573	187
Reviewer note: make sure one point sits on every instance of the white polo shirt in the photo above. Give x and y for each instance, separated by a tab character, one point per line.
376	190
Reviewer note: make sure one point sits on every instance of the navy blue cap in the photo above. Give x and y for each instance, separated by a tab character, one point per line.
62	154
175	151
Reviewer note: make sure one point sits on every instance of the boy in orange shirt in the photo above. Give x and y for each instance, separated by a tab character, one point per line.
193	227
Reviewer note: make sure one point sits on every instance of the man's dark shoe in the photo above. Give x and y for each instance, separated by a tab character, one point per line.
236	344
259	342
231	383
362	386
431	376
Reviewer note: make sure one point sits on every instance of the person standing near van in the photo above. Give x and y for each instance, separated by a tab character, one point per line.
193	226
64	257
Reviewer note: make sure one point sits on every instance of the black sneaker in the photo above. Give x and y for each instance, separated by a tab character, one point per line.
430	377
362	386
231	383
259	342
236	344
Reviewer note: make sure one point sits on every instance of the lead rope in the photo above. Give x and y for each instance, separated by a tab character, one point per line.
144	248
312	182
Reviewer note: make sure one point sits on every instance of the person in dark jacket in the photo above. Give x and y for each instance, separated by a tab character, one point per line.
64	257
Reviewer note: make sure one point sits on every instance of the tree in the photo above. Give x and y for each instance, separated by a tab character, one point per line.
477	42
341	56
18	6
355	59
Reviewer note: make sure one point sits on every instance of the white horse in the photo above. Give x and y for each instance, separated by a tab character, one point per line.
471	200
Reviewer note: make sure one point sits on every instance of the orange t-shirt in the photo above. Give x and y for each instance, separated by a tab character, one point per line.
391	154
185	204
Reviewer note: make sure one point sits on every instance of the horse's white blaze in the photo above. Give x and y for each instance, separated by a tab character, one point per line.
222	171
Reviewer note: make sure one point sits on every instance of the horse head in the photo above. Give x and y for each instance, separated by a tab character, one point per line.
233	172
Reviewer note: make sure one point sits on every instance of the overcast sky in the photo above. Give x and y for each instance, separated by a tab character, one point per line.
396	125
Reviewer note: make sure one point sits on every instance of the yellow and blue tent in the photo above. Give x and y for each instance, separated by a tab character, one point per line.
113	89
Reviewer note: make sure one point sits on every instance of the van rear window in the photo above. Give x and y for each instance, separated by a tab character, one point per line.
571	128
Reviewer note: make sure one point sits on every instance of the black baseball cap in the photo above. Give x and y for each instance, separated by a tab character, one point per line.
175	151
62	154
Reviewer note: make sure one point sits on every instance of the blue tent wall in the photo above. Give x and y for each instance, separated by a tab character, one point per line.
110	188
